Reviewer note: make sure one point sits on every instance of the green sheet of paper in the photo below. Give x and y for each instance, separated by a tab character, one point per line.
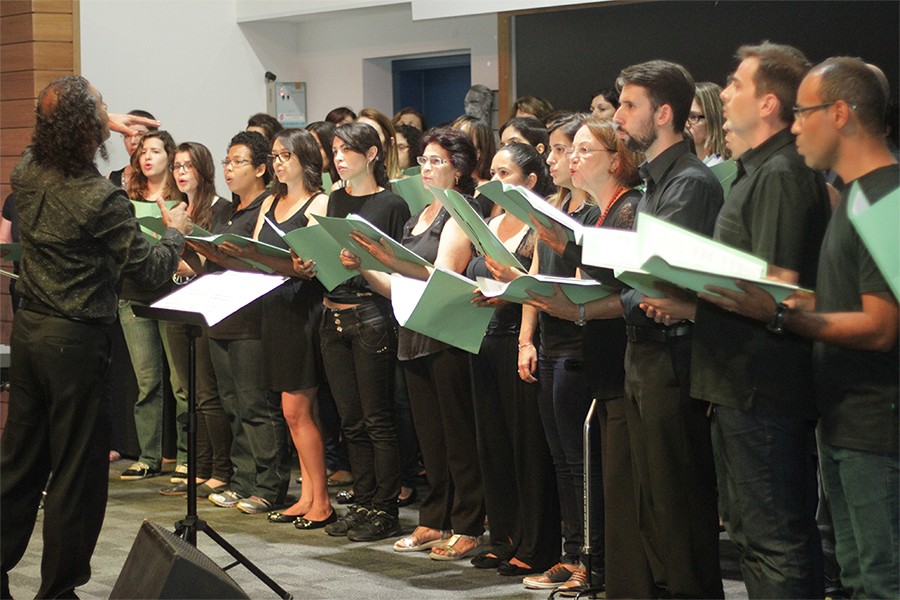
340	230
441	308
314	243
725	172
11	251
522	203
409	172
413	191
478	232
327	182
241	242
148	211
877	225
579	291
155	224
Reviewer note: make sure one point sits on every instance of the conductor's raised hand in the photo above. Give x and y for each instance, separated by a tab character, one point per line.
176	217
124	123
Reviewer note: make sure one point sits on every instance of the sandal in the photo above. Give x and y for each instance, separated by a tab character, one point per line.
411	543
449	551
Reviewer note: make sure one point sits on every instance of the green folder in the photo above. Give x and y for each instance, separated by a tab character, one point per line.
10	251
155	225
441	308
410	171
327	182
522	203
725	172
315	243
150	210
877	225
485	241
579	291
413	191
340	229
241	242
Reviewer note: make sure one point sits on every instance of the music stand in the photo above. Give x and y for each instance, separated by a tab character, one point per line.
187	306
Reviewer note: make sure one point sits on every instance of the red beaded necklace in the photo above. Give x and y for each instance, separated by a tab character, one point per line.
618	194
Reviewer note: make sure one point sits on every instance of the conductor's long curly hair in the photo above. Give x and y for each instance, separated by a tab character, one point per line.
68	130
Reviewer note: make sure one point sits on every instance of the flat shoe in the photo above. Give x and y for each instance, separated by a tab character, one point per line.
179	489
483	561
304	523
450	551
345	497
203	490
401	502
280	517
411	543
508	569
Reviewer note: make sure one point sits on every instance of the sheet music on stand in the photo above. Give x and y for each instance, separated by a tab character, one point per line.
211	298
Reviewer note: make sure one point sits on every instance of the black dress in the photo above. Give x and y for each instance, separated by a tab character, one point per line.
291	314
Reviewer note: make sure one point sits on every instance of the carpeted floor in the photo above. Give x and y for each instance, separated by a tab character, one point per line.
309	565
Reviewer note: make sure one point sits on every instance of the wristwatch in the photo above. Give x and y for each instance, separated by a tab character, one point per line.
777	323
581	322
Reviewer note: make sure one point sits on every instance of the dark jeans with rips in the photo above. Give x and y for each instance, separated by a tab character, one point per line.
359	348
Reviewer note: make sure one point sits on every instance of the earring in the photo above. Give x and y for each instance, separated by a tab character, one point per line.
456	180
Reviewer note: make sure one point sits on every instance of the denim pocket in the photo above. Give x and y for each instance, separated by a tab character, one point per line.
377	335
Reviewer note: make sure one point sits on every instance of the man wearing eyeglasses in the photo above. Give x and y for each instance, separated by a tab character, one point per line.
853	317
760	380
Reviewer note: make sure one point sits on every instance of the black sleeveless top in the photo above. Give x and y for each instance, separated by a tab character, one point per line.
268	235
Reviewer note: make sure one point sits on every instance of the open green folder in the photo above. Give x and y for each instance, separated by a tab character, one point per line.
155	224
314	243
11	251
441	308
327	182
241	242
409	172
478	232
877	227
522	203
413	191
619	250
150	210
579	291
340	229
725	172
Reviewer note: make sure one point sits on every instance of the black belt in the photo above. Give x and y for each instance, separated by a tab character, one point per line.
42	309
652	334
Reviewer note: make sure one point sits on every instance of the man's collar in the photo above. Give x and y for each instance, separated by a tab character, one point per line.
654	170
753	159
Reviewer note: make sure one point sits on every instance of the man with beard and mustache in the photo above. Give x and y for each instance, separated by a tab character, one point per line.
669	431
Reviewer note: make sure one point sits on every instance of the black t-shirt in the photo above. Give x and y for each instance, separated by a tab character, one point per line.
386	211
561	338
857	390
777	210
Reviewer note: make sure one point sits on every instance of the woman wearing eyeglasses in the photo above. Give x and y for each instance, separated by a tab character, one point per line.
195	176
706	123
292	363
601	165
451	517
151	179
359	343
516	467
259	449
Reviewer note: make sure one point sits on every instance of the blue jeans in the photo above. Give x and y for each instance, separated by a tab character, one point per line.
259	449
359	348
862	491
564	399
770	472
148	348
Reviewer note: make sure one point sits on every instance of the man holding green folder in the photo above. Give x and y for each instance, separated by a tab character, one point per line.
853	318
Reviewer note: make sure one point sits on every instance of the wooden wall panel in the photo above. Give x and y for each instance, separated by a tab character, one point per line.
36	56
17	113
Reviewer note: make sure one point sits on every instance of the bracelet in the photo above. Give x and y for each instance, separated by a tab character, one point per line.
777	323
525	345
582	313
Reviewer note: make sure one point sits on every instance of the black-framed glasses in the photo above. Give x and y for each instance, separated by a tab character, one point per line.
281	157
237	162
178	167
694	118
801	112
434	161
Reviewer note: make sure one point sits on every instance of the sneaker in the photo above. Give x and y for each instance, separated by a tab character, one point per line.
254	505
576	583
179	475
550	579
226	499
356	516
379	525
137	471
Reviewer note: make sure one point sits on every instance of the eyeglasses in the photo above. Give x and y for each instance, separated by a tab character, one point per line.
238	162
434	161
583	151
281	157
694	118
178	167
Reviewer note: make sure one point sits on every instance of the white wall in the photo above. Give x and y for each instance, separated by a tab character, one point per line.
202	74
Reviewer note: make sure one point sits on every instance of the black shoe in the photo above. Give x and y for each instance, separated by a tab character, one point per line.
409	499
356	516
279	517
508	569
483	561
304	523
345	497
378	526
179	489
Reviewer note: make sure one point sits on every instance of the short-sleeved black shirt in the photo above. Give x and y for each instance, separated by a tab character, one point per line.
777	210
857	390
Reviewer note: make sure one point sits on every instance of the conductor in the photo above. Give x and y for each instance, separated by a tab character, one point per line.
79	236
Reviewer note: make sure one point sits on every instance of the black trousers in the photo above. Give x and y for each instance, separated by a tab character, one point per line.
674	477
440	395
517	470
57	423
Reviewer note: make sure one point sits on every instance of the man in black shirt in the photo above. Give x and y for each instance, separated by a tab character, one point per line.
79	235
853	318
761	382
669	431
